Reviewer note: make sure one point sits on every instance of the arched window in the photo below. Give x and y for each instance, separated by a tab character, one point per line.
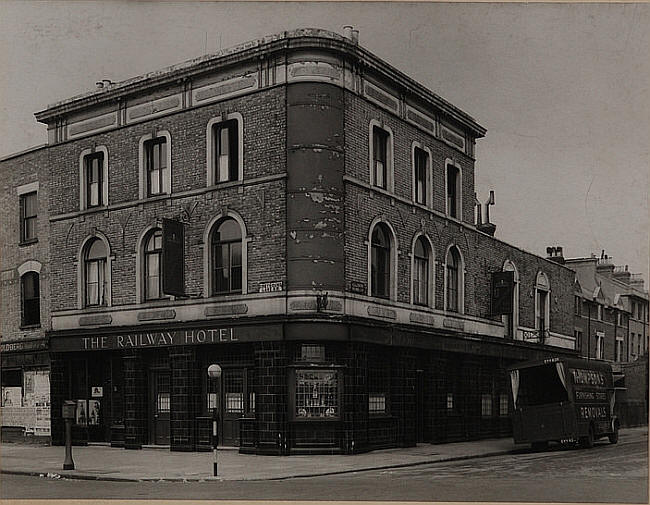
453	280
511	321
542	308
226	247
153	265
380	262
421	272
95	273
30	298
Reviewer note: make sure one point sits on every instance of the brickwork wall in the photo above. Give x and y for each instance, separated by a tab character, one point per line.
17	171
259	205
358	114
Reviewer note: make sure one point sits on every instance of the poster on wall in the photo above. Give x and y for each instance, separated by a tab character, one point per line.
37	389
93	412
82	413
12	396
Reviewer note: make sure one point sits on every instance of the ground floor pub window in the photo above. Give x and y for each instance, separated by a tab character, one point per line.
316	394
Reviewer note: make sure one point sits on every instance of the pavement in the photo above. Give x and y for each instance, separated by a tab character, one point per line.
101	462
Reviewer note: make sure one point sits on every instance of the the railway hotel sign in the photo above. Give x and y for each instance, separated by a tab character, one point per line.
149	339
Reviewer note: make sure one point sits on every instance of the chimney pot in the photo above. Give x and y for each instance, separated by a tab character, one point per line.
355	36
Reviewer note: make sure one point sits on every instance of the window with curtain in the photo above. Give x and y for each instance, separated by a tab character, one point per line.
155	151
226	257
95	273
421	159
380	156
421	272
153	266
94	174
226	147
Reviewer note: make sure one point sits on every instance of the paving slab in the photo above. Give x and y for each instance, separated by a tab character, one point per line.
108	463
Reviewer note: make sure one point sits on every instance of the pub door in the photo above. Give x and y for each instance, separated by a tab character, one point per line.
232	405
159	403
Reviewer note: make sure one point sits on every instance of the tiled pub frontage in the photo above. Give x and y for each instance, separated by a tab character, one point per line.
288	387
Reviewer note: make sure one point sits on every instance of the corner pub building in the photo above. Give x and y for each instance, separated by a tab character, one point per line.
301	213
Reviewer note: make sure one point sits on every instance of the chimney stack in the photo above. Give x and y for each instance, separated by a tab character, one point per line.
555	254
347	32
355	36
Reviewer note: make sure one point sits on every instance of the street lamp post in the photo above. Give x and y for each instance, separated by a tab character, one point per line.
214	372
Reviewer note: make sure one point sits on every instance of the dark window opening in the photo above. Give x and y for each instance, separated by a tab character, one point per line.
421	162
156	166
31	306
28	215
95	273
94	170
153	266
227	258
453	275
380	262
226	150
540	385
452	191
420	273
380	155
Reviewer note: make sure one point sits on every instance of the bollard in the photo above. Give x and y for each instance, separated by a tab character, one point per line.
69	408
215	439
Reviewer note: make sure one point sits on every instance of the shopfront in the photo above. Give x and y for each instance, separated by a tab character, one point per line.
25	386
286	387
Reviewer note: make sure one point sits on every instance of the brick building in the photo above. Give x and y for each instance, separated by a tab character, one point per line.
24	275
302	214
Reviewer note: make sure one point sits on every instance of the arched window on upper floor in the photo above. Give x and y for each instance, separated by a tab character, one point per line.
454	280
542	305
153	274
511	321
382	261
95	273
30	299
423	272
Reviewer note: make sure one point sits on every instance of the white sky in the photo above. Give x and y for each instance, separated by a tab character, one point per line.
563	91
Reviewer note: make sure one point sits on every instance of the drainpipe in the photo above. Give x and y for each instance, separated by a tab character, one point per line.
589	331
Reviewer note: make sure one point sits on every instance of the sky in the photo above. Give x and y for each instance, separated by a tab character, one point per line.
563	90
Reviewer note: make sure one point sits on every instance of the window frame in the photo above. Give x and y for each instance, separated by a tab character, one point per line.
143	155
460	277
214	246
24	218
293	400
146	254
509	266
208	265
458	190
102	265
542	285
416	148
430	271
84	198
212	145
389	164
34	300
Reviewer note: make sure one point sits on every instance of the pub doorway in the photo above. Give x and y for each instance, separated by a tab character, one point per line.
159	406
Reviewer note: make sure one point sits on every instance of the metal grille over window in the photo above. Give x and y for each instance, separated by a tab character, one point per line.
234	391
503	404
317	394
163	402
486	405
377	403
450	401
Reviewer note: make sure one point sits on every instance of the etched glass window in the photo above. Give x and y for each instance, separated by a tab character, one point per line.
317	394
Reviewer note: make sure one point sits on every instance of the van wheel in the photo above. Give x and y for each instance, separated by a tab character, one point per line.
588	441
539	446
613	437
